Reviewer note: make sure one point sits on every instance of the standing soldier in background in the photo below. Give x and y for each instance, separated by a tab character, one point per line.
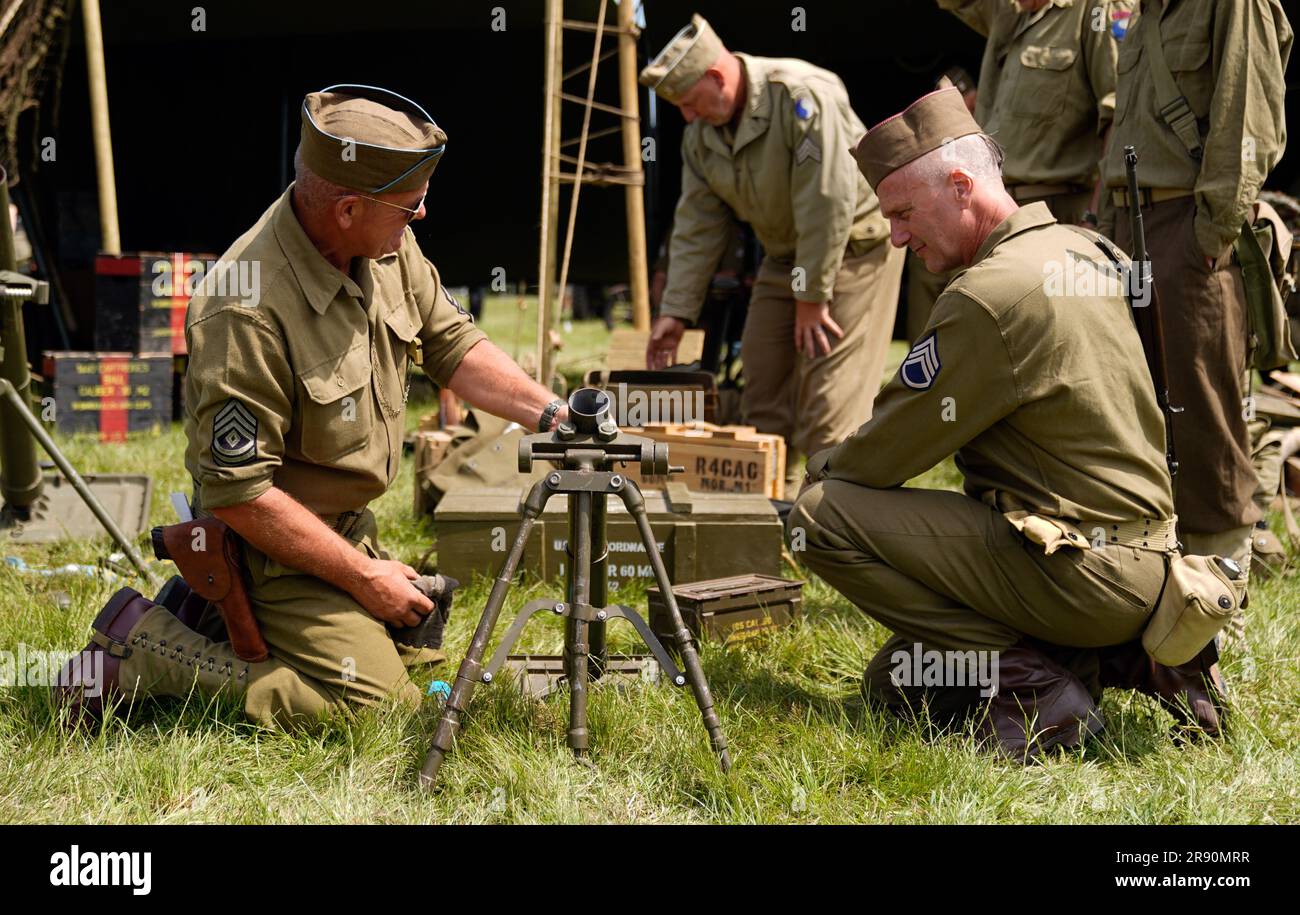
768	140
1047	95
1200	96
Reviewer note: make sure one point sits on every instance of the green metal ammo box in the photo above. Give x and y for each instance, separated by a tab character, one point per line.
730	609
700	535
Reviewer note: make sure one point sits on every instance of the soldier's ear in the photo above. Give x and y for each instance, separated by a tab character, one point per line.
347	210
962	185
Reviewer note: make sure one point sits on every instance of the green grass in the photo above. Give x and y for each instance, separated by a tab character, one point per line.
805	748
511	322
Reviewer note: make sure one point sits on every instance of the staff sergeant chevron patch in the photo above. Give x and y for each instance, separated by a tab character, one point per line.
234	435
922	365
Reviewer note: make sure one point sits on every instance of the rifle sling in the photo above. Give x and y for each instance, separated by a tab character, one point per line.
1174	107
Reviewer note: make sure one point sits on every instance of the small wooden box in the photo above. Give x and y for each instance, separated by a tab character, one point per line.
627	348
719	458
729	610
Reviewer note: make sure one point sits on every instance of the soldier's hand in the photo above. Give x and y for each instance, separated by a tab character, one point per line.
812	320
665	337
388	593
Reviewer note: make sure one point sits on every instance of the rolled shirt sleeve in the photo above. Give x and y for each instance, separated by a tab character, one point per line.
823	188
955	383
447	331
1247	133
702	227
239	393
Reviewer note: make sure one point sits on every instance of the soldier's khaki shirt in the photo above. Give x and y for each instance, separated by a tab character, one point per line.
1228	57
1047	84
787	171
304	387
1038	383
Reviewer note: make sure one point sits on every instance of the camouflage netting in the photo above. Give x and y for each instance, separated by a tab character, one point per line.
33	44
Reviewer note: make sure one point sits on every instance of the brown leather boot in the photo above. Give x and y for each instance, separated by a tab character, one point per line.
91	677
1038	706
1194	693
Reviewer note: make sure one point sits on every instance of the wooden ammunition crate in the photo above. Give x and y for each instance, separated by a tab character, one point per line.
430	448
719	458
728	609
141	298
638	398
627	348
699	535
108	393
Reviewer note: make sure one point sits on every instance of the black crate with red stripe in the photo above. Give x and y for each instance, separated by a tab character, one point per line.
110	394
141	298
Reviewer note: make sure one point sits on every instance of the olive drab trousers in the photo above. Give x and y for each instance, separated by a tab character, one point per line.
948	572
327	653
814	403
1206	329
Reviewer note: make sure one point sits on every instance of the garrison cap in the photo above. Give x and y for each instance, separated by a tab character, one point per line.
923	126
369	139
683	60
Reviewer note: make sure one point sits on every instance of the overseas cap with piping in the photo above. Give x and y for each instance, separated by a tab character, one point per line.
369	139
923	126
683	60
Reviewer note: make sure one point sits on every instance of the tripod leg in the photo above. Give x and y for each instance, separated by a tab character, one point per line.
471	668
694	670
598	653
575	636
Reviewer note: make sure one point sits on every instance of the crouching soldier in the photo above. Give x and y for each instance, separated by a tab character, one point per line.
294	402
1058	548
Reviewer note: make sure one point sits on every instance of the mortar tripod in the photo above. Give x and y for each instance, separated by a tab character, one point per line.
585	448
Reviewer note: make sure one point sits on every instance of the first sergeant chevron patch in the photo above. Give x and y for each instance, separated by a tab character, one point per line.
234	435
922	365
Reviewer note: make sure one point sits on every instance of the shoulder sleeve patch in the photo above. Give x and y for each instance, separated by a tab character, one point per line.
455	304
234	435
922	364
1119	23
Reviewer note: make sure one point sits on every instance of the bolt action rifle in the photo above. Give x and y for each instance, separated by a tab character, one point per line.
1146	311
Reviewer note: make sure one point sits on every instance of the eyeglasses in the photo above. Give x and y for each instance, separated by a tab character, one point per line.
411	213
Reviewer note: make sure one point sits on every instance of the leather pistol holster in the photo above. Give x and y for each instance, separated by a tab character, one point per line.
207	553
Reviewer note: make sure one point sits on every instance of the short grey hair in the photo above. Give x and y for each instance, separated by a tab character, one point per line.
974	153
311	190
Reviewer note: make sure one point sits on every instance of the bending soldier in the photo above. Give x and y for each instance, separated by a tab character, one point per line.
767	140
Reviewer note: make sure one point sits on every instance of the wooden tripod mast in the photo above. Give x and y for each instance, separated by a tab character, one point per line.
554	159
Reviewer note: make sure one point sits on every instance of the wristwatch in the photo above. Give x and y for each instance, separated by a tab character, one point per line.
548	416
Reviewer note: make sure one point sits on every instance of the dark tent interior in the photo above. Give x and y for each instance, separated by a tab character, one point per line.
205	123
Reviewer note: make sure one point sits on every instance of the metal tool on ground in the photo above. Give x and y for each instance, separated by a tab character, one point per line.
586	449
538	676
22	483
